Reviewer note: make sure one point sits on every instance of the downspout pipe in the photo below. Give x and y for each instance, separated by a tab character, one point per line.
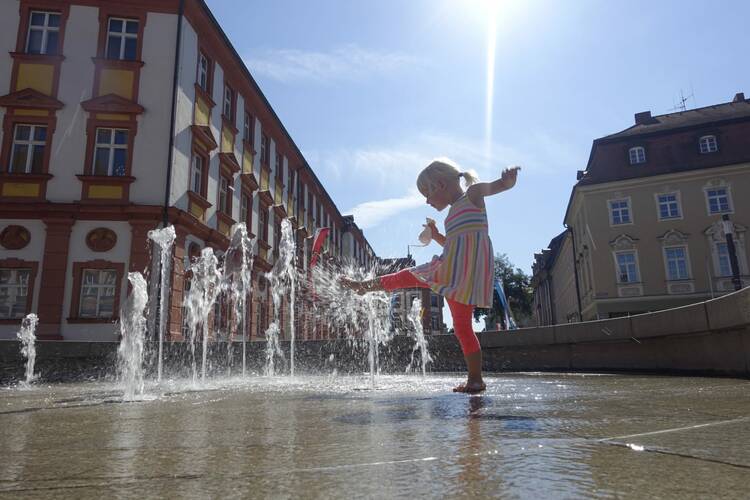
173	116
575	270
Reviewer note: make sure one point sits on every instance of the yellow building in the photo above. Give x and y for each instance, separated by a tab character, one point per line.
645	217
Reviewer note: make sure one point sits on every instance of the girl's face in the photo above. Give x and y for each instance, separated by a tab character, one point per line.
438	196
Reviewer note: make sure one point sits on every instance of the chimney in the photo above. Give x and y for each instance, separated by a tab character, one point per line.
739	97
643	118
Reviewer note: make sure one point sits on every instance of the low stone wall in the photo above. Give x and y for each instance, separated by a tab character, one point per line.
710	338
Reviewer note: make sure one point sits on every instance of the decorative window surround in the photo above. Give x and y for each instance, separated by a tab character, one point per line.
10	270
721	269
86	268
718	197
668	206
620	212
97	188
26	186
627	268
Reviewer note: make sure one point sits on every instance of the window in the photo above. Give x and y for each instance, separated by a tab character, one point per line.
718	200
223	195
708	144
433	300
247	131
111	152
637	155
396	302
627	269
669	206
27	154
122	39
97	293
14	292
44	33
245	207
619	211
677	264
434	322
264	149
263	224
279	168
203	72
228	103
197	174
725	265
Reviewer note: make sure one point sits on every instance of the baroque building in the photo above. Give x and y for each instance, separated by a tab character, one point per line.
649	217
119	117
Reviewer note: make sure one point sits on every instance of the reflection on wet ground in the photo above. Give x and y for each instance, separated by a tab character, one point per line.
528	436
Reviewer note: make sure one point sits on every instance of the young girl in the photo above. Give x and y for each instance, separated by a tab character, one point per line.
464	273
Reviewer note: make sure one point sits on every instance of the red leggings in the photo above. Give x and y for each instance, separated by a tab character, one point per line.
461	313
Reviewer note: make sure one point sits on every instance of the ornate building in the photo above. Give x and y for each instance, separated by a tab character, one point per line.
120	117
645	218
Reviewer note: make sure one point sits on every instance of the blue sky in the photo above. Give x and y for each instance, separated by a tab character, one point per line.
371	91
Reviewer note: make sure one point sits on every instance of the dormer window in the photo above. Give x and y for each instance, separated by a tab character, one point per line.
708	144
637	155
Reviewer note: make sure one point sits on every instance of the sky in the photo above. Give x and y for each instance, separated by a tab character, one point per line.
371	91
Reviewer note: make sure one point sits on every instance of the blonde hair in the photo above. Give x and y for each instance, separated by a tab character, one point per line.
442	169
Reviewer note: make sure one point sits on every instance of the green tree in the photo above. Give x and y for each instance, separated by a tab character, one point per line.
518	291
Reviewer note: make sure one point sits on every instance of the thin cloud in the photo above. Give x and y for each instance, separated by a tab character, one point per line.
372	213
346	63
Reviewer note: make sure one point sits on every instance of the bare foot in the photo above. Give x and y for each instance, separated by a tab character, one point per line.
470	387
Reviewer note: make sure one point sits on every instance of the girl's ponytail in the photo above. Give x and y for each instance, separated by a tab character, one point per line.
470	177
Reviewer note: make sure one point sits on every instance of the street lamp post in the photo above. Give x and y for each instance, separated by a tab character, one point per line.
732	250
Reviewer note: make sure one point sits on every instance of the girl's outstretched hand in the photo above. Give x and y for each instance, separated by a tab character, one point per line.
509	176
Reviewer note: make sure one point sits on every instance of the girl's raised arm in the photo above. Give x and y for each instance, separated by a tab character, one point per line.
477	192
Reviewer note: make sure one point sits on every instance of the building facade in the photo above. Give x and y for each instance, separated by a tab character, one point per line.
645	217
122	117
402	301
554	283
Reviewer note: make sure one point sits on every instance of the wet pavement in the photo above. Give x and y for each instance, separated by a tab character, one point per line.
528	436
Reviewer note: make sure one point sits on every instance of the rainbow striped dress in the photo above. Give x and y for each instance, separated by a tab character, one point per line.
464	272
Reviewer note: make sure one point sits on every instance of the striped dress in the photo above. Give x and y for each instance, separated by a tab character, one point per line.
464	272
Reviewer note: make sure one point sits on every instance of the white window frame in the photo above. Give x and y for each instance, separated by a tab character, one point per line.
16	290
228	103
719	273
200	172
618	274
710	143
686	258
247	128
677	201
223	195
730	205
637	155
122	35
203	71
102	290
30	144
112	147
46	29
612	211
